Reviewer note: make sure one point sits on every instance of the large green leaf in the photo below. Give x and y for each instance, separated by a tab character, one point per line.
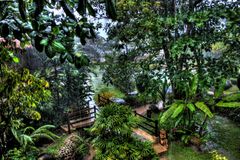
111	9
202	106
194	85
178	110
44	42
81	7
232	97
91	11
220	88
228	104
191	107
169	112
57	46
67	10
22	9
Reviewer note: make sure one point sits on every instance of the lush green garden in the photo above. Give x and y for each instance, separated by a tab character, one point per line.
79	77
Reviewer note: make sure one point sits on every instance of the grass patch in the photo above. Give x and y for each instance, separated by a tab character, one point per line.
227	135
177	151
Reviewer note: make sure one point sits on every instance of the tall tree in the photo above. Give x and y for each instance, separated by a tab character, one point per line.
178	38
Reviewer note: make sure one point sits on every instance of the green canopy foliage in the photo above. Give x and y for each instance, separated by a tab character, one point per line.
175	39
46	24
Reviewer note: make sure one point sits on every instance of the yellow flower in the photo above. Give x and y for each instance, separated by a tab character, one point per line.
46	84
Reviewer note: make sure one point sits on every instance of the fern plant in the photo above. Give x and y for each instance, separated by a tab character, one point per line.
113	135
27	137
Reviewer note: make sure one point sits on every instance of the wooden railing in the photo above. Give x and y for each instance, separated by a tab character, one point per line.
77	116
152	124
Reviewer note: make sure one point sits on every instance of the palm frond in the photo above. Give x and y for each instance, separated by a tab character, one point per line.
220	89
28	129
16	134
48	126
26	140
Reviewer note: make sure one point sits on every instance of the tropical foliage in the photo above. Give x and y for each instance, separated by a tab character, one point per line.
182	54
18	101
26	138
114	140
46	24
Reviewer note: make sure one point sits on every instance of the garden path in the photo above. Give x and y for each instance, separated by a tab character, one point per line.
91	153
142	110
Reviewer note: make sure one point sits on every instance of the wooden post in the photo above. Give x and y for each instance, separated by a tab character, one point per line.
149	113
68	123
99	99
156	128
135	112
95	112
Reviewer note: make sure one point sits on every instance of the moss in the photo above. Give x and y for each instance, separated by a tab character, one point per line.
177	151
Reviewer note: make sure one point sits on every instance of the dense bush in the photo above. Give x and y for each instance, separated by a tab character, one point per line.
114	140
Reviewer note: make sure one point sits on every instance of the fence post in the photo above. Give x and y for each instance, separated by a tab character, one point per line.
156	128
135	112
99	99
69	128
95	112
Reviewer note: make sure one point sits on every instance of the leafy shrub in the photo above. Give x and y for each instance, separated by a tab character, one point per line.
27	138
108	93
82	148
19	153
114	140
